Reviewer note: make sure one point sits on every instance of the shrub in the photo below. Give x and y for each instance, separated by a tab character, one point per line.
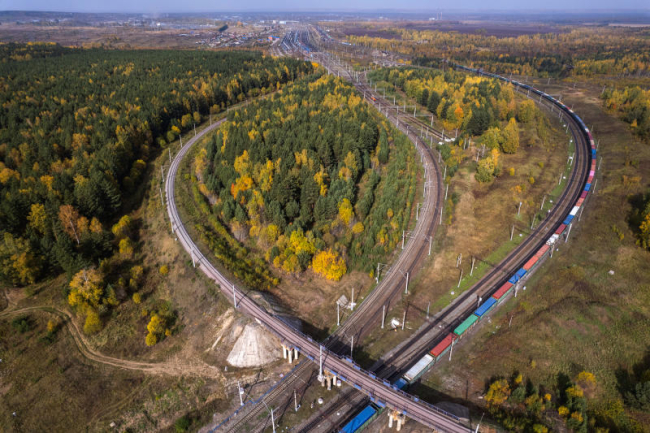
164	270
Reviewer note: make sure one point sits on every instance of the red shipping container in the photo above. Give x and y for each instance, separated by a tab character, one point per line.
443	345
560	229
584	194
542	251
580	201
502	290
530	263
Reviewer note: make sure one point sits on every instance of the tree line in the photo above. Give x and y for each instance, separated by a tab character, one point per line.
583	52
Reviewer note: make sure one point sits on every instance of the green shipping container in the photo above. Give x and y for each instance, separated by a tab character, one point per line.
463	327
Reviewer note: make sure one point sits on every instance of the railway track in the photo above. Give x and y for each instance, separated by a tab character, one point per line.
427	414
411	350
386	294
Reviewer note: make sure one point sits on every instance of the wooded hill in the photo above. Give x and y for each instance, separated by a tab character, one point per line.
311	177
77	128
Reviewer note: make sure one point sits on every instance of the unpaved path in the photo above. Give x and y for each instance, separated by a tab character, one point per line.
171	368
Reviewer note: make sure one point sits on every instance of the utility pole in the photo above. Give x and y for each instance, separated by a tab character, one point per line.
240	392
338	314
234	298
519	208
404	319
428	306
320	370
295	400
512	232
406	286
543	200
352	347
472	271
460	278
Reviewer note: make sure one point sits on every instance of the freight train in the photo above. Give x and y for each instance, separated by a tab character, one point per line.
445	345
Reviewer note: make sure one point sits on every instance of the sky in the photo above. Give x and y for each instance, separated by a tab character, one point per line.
160	6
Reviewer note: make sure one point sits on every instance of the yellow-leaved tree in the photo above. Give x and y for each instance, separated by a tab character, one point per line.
329	265
86	289
346	211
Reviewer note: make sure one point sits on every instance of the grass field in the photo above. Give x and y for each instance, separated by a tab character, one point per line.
576	315
483	217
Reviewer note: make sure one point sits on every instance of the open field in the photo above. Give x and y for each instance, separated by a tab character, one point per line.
483	216
575	315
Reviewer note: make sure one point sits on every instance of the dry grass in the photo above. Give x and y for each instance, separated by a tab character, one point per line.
482	219
577	316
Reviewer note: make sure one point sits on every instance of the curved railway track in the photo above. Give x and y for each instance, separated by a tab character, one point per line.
411	350
424	413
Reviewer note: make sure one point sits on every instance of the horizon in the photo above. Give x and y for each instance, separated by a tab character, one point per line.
335	6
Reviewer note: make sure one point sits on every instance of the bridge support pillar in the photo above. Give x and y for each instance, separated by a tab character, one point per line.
295	353
290	356
284	351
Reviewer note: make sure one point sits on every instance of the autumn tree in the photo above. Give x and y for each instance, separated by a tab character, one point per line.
18	261
488	167
69	218
329	265
346	212
498	393
86	289
526	111
510	137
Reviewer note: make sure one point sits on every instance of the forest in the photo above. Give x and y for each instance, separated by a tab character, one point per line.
310	178
632	105
76	131
477	107
582	52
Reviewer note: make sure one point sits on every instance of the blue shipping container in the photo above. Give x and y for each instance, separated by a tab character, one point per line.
520	273
401	383
513	279
587	187
487	305
359	420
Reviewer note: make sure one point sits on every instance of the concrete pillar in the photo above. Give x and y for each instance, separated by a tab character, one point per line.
284	351
399	424
390	420
290	356
329	382
295	354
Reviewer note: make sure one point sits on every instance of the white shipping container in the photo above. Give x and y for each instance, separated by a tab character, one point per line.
552	239
418	367
574	211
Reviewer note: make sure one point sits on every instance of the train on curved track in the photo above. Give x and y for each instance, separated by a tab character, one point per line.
444	345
